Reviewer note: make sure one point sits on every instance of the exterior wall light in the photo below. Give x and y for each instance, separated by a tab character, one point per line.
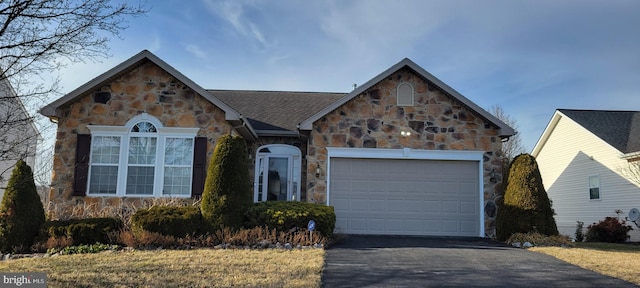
405	133
318	170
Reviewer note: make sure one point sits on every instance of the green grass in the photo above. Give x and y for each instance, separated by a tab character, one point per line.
617	260
179	268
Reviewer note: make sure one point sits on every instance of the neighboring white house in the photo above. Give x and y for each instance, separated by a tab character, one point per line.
18	133
582	156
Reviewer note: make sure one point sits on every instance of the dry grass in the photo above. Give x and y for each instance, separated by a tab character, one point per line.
121	210
538	239
617	260
179	268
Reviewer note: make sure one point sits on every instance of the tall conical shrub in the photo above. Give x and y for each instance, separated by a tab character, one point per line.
526	206
21	212
227	190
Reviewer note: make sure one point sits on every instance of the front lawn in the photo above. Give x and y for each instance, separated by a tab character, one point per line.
179	268
617	260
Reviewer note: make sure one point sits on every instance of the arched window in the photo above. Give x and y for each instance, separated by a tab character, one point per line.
405	94
141	159
277	173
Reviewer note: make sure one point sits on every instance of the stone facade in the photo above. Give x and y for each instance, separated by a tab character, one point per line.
145	89
370	120
436	122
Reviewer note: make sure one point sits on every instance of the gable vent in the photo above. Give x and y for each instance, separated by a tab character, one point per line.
405	94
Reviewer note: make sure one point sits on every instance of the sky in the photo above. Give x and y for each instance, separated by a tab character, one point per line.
529	57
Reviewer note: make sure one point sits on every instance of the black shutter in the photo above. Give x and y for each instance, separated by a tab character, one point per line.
199	166
81	174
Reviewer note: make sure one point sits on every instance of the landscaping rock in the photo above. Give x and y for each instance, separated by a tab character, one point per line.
264	244
287	246
516	244
527	245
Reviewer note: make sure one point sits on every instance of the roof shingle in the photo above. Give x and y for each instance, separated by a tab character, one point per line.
276	110
620	129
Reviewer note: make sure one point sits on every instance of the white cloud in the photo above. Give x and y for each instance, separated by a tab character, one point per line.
197	51
234	13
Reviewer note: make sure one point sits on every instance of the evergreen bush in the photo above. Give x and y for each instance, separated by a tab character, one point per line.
169	221
227	191
84	231
285	216
579	235
526	206
21	212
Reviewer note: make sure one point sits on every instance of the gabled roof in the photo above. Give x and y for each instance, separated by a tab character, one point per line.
9	94
134	62
505	130
276	112
620	129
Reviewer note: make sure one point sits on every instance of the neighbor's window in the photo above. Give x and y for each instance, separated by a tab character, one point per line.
594	187
405	94
141	159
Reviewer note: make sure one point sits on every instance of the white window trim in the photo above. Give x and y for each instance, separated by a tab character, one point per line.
599	188
124	134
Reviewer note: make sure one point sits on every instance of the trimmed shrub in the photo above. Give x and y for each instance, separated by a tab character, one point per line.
168	221
285	216
84	231
608	230
526	206
21	212
227	189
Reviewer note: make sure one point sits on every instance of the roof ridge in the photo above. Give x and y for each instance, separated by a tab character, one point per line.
276	91
597	110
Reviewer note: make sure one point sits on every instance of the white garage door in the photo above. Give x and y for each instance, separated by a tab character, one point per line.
405	197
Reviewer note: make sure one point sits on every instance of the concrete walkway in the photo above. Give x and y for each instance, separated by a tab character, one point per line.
381	261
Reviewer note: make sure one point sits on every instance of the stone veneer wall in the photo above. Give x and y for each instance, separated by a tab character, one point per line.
436	122
146	89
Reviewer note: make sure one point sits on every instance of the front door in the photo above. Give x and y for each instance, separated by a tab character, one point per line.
276	179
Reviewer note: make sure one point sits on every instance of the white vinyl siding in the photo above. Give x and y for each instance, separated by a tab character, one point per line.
569	157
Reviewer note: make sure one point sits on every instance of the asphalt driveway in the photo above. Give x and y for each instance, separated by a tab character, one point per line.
387	261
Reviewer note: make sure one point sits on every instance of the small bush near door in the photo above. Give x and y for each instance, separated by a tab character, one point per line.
285	216
608	230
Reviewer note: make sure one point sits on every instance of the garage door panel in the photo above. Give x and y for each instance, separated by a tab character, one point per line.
469	207
405	197
450	226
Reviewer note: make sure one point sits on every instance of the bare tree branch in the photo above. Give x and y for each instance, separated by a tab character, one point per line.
513	147
36	38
